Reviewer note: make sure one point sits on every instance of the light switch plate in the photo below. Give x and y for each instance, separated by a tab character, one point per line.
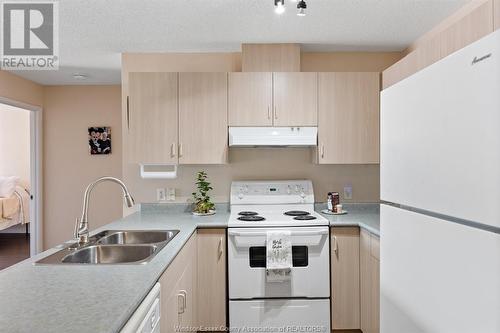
348	192
160	194
170	194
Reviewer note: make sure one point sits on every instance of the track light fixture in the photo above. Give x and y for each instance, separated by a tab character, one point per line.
279	7
301	6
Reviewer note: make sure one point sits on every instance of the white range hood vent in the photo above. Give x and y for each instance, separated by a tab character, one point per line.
273	136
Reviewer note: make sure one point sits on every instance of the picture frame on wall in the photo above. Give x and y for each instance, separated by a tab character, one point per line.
99	138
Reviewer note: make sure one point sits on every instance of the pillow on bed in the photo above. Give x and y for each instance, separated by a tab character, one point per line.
8	186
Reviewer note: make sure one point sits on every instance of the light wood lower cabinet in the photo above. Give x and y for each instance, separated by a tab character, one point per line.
203	128
348	111
212	279
345	278
496	17
179	290
193	288
370	282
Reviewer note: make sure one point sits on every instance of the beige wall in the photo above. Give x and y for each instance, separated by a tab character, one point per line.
68	167
271	163
257	163
21	90
14	142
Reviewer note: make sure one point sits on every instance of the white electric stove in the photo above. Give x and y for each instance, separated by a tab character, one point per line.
303	302
273	204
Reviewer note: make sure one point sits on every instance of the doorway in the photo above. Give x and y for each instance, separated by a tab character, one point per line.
20	182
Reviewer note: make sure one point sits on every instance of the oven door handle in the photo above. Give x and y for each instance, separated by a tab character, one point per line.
294	233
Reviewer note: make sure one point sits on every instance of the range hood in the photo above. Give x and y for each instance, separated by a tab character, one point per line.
273	136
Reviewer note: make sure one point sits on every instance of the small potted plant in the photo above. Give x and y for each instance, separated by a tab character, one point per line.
202	204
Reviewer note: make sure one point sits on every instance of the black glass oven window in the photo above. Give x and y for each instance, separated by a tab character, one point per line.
257	256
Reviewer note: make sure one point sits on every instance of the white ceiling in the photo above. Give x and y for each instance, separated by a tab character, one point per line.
93	33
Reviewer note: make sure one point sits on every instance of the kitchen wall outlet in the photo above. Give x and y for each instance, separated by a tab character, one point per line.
161	194
170	194
348	192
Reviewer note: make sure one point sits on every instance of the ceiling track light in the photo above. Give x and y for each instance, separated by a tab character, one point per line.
301	6
279	6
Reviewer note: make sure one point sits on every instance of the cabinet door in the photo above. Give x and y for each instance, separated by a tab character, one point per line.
203	133
375	282
295	99
496	18
171	309
250	98
345	278
370	282
178	291
212	277
188	291
152	118
348	130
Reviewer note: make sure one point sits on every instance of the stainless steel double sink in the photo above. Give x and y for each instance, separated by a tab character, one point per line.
114	247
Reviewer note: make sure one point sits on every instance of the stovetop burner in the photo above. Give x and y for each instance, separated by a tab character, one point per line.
251	218
296	213
304	217
247	213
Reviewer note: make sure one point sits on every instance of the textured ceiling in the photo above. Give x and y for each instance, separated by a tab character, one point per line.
93	33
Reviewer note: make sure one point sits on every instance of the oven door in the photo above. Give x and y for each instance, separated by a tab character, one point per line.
247	264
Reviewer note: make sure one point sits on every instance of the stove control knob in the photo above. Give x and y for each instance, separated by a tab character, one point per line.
296	188
288	190
240	195
245	189
302	195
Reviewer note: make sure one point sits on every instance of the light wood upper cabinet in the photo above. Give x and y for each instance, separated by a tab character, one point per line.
348	126
203	133
270	57
152	118
370	282
250	99
345	278
295	99
211	277
474	21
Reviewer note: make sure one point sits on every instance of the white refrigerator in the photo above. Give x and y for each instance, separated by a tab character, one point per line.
440	181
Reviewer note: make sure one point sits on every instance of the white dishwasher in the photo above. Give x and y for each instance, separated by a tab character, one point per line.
146	319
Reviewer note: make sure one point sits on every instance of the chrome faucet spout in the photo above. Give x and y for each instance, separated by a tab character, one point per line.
82	225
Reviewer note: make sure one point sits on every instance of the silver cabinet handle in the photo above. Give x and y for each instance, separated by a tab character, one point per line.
180	149
322	150
184	300
275	113
128	113
172	149
335	246
268	112
219	249
180	303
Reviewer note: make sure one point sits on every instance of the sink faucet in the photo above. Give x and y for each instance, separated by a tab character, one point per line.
82	225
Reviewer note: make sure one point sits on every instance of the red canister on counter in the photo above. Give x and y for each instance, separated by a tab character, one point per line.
333	201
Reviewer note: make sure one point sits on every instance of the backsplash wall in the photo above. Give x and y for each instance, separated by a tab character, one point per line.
262	164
